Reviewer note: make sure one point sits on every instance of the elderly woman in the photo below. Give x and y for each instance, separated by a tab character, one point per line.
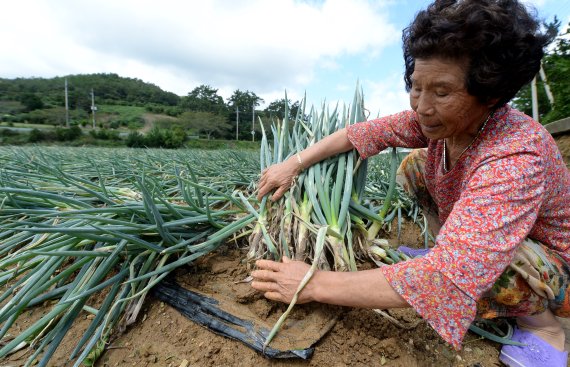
492	176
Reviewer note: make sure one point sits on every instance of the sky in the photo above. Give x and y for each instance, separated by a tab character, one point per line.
317	48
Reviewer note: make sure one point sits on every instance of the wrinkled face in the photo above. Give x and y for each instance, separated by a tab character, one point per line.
439	97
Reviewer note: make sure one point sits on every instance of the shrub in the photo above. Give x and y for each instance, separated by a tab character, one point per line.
35	136
104	134
62	134
135	140
157	138
8	132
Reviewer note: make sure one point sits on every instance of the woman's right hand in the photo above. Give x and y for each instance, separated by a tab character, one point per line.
278	177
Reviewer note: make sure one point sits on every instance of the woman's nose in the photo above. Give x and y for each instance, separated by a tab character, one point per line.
422	104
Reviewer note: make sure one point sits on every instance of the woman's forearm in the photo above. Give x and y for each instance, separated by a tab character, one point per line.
279	177
329	146
364	289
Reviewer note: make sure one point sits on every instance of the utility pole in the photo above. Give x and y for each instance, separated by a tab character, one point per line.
546	86
93	107
66	106
237	122
253	122
534	94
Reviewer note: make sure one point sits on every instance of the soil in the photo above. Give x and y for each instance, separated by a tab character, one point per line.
164	337
151	118
341	336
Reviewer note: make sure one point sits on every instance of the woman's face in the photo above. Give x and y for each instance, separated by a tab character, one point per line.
439	97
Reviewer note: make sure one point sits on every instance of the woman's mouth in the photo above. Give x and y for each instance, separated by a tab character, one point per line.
430	128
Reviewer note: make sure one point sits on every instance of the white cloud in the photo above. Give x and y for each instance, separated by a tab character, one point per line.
257	45
535	3
386	96
381	97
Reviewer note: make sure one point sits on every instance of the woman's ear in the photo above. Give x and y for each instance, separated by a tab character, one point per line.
492	102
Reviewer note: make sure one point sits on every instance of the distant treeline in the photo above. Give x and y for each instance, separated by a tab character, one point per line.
202	111
109	89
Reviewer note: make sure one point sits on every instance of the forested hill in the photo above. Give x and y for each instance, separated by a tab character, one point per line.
127	103
108	89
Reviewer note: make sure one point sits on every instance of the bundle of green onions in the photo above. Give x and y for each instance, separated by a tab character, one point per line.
332	193
330	205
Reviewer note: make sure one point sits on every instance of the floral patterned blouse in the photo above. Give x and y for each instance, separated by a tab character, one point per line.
510	184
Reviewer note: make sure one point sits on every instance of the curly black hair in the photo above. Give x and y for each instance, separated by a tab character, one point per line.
501	39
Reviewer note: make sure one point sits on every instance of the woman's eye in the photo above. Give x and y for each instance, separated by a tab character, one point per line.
441	93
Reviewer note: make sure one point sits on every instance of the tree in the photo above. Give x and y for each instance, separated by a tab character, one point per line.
276	109
556	66
109	89
31	102
523	100
245	102
205	99
295	110
207	123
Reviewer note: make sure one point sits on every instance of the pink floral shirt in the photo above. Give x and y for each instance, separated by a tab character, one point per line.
512	183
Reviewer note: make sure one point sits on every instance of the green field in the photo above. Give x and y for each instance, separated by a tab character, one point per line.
75	222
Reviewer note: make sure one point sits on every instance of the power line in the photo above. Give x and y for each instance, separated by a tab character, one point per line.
563	7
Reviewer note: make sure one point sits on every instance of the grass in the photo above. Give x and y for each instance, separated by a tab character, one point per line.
21	138
124	112
222	144
26	125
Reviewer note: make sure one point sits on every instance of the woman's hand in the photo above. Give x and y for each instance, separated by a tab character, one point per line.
280	177
279	281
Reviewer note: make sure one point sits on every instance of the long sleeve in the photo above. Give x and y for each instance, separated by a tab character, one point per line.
510	184
398	130
494	213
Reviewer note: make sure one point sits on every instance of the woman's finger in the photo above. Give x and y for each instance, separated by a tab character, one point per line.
259	196
262	184
268	265
279	193
263	190
274	296
263	286
264	275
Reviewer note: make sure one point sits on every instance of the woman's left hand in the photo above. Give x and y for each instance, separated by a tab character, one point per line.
279	281
278	177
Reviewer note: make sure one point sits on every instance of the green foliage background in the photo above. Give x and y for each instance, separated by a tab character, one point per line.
556	65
